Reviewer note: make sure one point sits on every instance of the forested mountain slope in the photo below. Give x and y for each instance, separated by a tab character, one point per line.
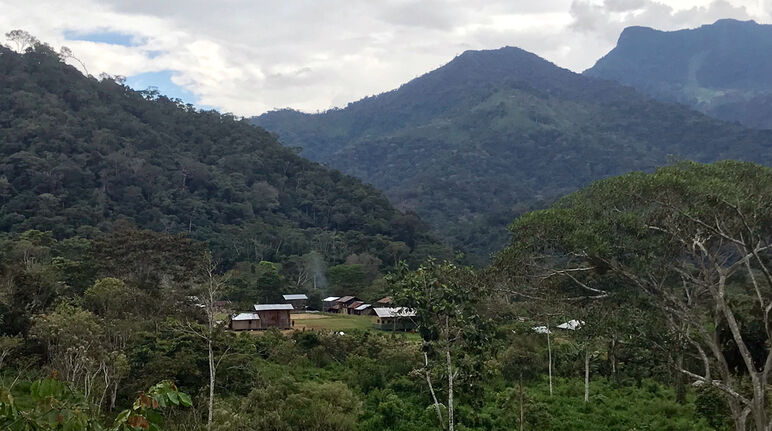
723	69
493	133
78	154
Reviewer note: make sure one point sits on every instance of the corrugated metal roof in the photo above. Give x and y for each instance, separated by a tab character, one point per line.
294	297
356	304
571	325
331	298
246	316
394	312
386	300
346	298
362	307
269	307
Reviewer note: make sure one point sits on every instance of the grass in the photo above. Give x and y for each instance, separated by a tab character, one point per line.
332	322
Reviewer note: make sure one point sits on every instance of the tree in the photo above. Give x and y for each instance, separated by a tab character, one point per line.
209	286
22	39
696	240
446	300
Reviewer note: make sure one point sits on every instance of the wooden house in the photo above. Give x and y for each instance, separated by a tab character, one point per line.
362	309
274	315
383	302
342	304
245	322
328	303
298	300
395	319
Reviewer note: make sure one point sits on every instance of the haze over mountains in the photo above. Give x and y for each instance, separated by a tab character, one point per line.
723	69
493	133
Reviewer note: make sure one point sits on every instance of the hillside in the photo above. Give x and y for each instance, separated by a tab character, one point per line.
79	154
723	69
494	133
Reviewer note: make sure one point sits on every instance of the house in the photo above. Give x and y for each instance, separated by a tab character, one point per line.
245	322
298	300
328	303
383	302
274	315
342	303
351	307
395	319
362	309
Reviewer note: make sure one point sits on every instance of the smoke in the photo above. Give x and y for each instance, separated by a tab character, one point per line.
318	268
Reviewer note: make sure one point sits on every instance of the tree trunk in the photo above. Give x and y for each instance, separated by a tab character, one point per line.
587	374
549	357
431	390
522	411
450	391
680	383
211	385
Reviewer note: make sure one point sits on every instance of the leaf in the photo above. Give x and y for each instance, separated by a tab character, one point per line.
173	398
185	399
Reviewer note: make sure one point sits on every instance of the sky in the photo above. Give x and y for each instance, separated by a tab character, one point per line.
251	56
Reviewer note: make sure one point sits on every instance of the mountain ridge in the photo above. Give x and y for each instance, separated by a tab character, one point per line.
722	69
493	133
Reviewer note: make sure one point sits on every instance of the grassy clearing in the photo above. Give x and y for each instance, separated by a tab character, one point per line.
332	322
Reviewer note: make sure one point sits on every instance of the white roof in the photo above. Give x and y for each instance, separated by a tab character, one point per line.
540	330
294	296
246	316
571	325
268	307
331	298
394	312
362	307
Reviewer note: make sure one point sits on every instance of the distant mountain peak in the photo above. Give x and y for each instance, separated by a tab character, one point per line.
723	69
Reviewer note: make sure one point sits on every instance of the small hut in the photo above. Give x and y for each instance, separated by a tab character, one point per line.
298	300
395	319
245	322
274	315
362	309
383	302
328	303
342	304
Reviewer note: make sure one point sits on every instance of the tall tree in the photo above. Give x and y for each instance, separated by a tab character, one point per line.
696	240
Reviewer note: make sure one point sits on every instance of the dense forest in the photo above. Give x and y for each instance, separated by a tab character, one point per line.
723	69
135	228
493	134
81	156
668	297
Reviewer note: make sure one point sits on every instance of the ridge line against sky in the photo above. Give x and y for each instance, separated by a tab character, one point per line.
248	57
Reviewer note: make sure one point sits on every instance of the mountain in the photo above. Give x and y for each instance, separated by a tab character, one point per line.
723	69
78	155
494	133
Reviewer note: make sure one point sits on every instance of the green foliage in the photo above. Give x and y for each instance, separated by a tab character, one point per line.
81	156
145	413
720	69
494	134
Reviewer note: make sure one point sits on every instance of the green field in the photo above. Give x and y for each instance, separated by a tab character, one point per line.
332	322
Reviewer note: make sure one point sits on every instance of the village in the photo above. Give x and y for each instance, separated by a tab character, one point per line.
337	313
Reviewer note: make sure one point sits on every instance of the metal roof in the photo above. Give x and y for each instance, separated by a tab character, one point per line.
269	307
331	298
294	296
346	298
246	316
386	300
394	312
362	307
356	304
571	325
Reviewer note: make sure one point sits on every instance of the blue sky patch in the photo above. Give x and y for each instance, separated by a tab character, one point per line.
108	37
162	81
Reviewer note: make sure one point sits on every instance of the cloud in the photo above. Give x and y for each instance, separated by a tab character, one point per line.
247	57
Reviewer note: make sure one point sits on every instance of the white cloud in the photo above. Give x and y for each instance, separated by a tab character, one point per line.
248	57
